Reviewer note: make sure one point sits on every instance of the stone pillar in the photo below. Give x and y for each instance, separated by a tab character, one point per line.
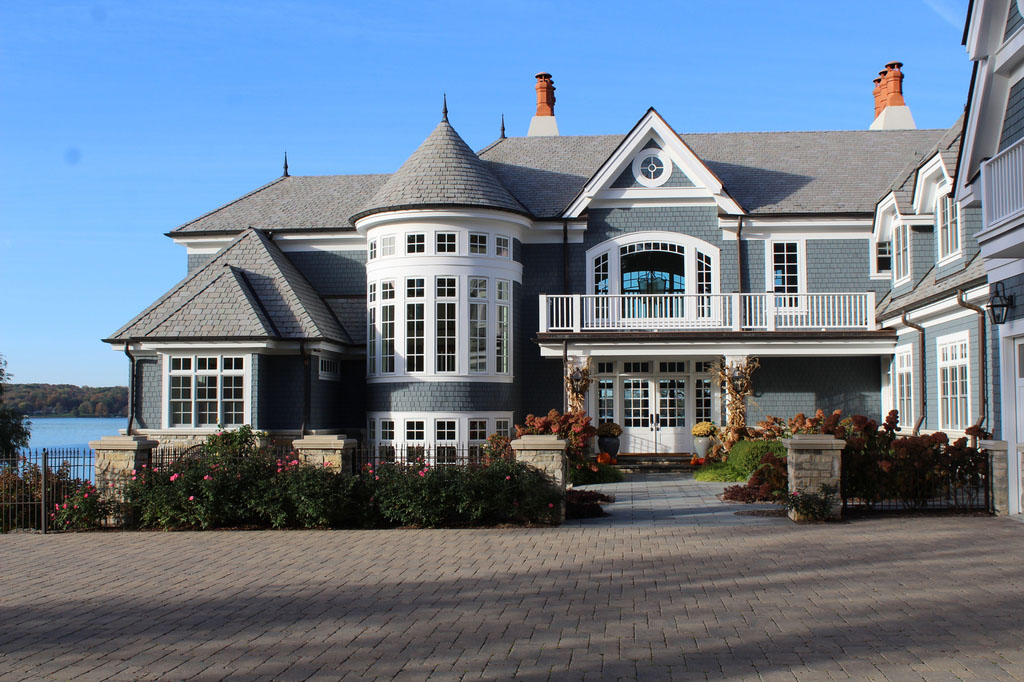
115	457
546	453
813	459
333	451
1000	474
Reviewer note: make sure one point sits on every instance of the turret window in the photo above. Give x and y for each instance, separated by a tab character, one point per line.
415	243
445	242
478	244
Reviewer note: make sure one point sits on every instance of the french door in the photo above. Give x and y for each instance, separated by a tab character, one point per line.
654	415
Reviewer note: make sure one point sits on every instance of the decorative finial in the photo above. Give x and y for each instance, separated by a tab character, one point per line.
503	126
285	174
444	109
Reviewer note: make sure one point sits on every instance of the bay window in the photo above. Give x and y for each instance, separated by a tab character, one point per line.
206	390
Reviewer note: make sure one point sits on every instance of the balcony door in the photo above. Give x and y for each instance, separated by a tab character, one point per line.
654	415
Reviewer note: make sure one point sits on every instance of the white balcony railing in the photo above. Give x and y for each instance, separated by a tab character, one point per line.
1002	178
709	312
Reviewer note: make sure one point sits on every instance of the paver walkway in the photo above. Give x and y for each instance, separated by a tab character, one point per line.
884	599
673	500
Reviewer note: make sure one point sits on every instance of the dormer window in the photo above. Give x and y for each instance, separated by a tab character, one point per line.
883	257
901	251
947	222
652	167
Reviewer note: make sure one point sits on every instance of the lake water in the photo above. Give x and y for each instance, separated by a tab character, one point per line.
72	432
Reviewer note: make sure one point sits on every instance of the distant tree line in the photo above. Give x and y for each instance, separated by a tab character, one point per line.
68	400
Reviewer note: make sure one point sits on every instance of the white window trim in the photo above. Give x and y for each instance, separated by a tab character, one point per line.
957	338
897	278
165	397
487	244
329	374
408	236
665	159
906	350
801	263
690	246
957	253
430	421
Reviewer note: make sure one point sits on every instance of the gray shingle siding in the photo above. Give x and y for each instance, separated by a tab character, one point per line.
1014	286
438	396
785	386
1013	20
841	265
627	180
540	379
1013	120
149	393
280	404
333	273
198	260
970	325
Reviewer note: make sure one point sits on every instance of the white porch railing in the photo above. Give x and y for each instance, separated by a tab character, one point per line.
710	312
1002	178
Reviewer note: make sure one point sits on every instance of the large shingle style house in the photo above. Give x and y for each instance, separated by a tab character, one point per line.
437	304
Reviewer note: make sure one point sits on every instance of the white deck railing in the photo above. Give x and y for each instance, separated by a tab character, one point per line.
1002	178
711	312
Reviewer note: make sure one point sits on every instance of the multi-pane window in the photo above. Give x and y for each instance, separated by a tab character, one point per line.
206	391
415	243
444	430
901	250
601	274
502	330
672	402
445	337
477	337
502	247
371	429
503	427
678	367
883	256
414	337
605	400
954	388
387	328
446	287
478	287
702	400
606	368
415	429
330	369
947	217
445	242
477	429
371	331
387	429
478	244
786	271
387	246
414	287
373	249
636	367
704	283
904	385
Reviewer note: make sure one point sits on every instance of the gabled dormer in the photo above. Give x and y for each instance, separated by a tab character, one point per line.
901	239
653	166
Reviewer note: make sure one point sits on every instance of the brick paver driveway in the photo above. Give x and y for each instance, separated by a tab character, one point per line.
885	599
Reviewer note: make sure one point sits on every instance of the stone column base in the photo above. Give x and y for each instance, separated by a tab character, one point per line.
546	453
114	460
812	460
331	451
1000	474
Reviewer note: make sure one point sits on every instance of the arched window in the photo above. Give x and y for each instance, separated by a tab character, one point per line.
654	263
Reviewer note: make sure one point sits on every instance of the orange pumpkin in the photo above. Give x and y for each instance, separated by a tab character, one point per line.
604	458
694	461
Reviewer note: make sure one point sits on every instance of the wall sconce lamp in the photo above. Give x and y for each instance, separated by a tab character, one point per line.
999	304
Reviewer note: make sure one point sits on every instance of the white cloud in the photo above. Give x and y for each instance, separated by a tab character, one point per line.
949	11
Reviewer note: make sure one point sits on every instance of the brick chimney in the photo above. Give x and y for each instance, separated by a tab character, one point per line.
891	111
543	122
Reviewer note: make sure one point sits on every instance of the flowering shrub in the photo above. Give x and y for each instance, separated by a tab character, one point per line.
572	427
765	485
21	486
812	506
82	508
592	473
497	447
242	441
704	430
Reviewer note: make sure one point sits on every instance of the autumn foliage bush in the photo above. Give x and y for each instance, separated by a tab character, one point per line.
572	427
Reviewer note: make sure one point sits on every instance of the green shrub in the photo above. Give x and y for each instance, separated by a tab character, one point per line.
719	472
812	506
83	508
745	456
592	473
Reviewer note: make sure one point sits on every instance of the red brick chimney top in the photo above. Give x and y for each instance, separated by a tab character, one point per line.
888	90
545	95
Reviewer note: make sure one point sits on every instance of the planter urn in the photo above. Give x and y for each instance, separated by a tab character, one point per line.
702	445
609	444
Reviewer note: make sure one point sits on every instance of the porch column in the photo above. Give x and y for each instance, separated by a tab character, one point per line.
331	451
812	460
546	453
1000	474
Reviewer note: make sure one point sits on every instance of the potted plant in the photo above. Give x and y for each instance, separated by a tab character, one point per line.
608	437
703	432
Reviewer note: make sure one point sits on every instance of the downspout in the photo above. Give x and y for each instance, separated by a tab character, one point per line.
131	389
306	389
982	346
922	383
739	256
565	256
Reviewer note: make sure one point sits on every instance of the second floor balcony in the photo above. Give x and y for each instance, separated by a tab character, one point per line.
1002	179
765	312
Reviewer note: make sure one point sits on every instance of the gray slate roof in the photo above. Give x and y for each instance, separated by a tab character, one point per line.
947	147
767	173
299	202
931	288
250	289
444	171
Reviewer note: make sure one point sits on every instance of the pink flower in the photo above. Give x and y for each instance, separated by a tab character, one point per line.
206	477
278	469
143	466
135	472
550	505
376	478
422	474
294	462
87	495
192	497
112	485
65	505
508	478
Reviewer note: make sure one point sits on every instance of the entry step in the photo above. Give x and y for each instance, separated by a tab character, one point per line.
649	463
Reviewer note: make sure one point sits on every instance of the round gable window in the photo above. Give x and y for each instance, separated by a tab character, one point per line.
652	167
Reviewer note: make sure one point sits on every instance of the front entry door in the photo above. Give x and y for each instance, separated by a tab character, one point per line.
654	415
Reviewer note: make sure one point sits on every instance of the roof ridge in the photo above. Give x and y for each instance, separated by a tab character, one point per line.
231	203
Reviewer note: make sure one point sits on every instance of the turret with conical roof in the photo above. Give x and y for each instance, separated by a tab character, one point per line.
443	172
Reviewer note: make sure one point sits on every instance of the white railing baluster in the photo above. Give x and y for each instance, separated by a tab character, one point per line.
1002	179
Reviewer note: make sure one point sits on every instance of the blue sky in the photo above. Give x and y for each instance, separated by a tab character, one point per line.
121	120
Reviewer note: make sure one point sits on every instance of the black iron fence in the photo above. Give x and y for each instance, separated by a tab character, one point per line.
961	484
417	455
35	484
